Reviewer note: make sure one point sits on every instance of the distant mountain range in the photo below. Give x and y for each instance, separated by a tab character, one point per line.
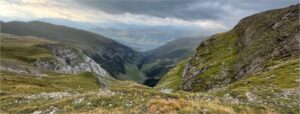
140	38
143	39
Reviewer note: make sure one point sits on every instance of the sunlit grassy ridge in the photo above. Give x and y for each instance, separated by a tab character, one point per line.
22	50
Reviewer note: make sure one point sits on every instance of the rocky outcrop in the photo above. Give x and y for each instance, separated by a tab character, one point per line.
19	69
69	61
269	35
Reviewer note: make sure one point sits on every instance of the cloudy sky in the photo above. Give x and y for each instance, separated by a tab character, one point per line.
151	22
209	14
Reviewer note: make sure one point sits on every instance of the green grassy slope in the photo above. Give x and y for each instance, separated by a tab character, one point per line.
22	50
19	53
172	79
255	63
217	59
278	85
12	83
245	50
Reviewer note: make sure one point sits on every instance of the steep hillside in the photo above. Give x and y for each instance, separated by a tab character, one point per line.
111	55
257	61
155	63
247	49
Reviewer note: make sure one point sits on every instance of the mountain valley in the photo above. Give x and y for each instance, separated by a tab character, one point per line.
253	68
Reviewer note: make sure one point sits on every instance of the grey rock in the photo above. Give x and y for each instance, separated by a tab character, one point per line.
69	61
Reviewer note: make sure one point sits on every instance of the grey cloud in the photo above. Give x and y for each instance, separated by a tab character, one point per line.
163	8
183	9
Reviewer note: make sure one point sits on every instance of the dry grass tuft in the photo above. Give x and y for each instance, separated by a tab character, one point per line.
264	110
111	111
166	105
160	105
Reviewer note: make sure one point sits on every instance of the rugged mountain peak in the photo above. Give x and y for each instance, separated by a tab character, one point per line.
245	50
269	35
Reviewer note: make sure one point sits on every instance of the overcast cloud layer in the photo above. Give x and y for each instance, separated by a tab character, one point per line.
227	12
185	9
216	14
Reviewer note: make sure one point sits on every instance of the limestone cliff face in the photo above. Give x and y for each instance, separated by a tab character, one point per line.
37	56
69	61
245	50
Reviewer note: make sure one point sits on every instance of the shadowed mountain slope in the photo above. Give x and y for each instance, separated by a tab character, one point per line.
157	62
